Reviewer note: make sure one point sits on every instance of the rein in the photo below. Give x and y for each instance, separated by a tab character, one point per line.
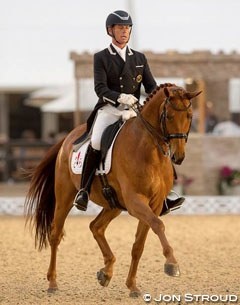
166	137
153	132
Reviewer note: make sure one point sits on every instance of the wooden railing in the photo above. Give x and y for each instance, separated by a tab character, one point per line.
18	156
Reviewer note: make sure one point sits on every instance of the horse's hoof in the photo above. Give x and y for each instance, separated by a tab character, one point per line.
135	294
103	278
52	289
172	269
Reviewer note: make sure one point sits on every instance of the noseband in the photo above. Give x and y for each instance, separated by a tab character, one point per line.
163	123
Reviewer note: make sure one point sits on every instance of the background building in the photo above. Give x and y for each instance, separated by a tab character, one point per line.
52	111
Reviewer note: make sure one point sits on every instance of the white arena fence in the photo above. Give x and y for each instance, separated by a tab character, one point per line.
193	205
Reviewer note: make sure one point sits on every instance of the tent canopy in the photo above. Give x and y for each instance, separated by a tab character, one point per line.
67	101
63	98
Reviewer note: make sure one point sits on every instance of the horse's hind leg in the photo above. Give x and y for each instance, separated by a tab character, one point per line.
98	227
137	251
64	201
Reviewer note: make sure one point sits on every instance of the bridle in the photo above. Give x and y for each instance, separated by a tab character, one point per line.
166	136
163	123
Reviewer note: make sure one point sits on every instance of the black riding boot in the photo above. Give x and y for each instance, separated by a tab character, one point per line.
171	205
90	165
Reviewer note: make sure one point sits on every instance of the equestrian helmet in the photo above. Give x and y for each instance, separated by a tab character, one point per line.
118	17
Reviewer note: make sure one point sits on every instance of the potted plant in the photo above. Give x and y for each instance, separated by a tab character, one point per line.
229	181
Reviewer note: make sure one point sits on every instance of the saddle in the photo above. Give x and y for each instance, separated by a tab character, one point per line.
79	150
107	142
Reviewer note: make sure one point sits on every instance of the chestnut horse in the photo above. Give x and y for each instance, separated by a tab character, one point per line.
141	174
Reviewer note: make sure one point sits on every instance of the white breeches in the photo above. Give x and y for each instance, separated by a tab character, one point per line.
105	116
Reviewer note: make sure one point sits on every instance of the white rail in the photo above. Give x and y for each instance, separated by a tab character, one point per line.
193	205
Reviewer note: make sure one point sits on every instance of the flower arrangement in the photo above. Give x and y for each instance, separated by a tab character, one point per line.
228	178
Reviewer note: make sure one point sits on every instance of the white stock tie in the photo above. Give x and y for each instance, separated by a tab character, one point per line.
122	53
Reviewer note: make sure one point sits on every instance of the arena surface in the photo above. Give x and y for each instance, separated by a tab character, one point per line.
207	249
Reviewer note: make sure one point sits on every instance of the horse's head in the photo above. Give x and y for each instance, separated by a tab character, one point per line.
175	119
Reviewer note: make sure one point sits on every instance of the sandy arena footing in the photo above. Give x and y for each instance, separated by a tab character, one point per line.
207	249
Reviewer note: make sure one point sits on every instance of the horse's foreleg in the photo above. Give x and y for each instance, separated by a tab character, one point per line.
98	227
143	212
137	251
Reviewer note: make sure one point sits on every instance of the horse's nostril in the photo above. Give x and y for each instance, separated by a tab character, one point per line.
177	160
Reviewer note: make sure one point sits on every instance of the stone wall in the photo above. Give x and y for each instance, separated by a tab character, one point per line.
205	155
214	69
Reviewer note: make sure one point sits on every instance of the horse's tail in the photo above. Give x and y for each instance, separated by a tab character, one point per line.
40	200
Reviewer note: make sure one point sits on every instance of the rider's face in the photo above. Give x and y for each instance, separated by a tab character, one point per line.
121	33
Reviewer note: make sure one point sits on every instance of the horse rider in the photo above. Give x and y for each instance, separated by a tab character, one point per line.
119	73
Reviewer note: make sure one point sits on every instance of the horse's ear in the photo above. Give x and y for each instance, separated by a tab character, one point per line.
191	95
166	92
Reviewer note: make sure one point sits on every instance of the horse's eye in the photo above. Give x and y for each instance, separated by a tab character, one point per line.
170	117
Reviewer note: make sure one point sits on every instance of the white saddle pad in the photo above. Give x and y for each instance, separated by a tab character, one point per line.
78	158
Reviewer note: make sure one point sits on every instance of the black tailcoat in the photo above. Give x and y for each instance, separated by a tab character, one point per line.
113	76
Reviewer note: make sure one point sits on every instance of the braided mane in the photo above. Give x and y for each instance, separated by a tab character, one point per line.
161	86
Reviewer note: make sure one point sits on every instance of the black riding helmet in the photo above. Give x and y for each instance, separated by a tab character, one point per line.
118	17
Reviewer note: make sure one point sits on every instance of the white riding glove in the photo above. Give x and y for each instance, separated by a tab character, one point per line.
127	99
128	114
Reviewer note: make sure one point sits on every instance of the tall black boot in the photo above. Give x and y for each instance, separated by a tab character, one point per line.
90	165
171	205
